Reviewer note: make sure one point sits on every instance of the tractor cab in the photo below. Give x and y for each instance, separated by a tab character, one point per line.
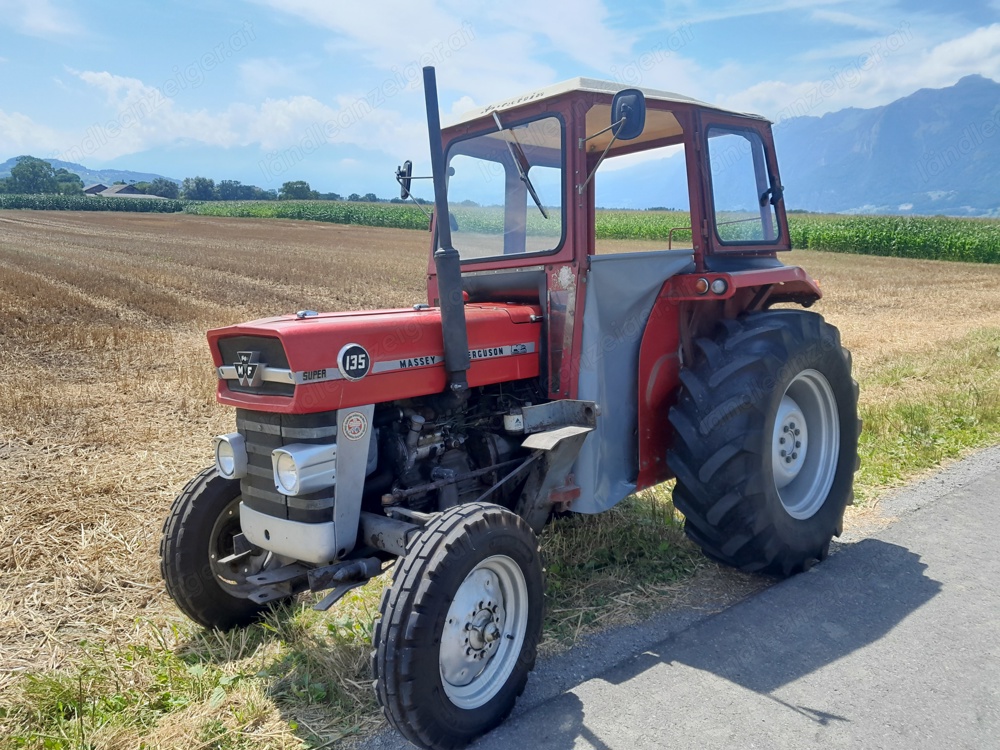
522	180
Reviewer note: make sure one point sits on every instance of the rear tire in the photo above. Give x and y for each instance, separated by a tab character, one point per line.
460	626
197	534
766	437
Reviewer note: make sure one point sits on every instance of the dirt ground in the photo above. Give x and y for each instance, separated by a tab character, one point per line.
107	392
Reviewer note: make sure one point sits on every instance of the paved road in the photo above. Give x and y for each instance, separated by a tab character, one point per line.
893	642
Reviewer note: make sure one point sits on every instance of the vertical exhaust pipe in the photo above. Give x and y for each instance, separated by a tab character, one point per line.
446	258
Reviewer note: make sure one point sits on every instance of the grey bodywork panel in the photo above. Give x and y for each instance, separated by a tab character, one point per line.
353	446
621	290
560	448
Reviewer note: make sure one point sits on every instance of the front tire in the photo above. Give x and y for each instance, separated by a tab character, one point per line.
197	534
459	626
766	438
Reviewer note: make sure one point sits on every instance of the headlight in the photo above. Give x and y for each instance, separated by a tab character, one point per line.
301	468
230	455
286	473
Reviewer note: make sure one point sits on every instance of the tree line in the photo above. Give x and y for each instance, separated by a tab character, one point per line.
32	176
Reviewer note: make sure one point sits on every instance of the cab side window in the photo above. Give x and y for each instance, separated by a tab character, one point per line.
741	189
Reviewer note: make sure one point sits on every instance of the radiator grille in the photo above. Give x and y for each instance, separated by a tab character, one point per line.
263	432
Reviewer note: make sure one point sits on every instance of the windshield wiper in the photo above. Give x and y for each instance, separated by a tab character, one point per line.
520	161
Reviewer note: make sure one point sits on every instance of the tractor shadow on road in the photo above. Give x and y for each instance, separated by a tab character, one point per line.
771	639
801	625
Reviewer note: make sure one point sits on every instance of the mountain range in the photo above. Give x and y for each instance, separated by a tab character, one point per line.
90	176
936	151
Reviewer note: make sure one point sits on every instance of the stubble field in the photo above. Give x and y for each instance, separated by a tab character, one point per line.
107	408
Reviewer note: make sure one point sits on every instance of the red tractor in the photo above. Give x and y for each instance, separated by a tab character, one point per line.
539	376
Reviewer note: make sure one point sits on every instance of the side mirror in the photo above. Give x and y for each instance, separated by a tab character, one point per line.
628	114
404	175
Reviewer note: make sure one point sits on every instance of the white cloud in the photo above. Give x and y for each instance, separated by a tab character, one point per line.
141	117
40	18
694	12
21	135
262	75
498	54
464	104
895	67
842	18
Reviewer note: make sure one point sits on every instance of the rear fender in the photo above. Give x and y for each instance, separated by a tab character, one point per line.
680	314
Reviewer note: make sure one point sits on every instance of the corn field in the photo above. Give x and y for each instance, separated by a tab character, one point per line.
931	238
924	237
88	203
391	215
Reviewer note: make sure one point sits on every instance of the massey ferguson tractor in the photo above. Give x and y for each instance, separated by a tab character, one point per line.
540	376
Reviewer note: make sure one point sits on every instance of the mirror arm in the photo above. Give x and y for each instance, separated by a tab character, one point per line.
601	132
583	186
409	195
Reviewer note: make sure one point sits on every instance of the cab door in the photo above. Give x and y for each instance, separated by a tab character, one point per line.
744	206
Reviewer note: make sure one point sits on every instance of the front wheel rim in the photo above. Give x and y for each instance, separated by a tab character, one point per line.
484	632
232	577
805	444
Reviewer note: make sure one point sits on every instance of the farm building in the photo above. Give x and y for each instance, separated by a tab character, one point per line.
118	191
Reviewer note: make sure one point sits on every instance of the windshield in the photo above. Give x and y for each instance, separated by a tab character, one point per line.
505	190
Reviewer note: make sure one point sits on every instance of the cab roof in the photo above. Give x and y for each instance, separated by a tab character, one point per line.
589	86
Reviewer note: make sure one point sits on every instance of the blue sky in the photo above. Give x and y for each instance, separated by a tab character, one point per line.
238	90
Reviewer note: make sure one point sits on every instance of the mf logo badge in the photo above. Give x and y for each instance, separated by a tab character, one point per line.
354	362
249	370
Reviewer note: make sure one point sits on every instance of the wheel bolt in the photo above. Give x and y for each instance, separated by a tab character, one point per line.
798	443
798	432
788	460
781	440
795	455
785	428
783	453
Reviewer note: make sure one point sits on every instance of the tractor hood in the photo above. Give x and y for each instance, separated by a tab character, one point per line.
327	361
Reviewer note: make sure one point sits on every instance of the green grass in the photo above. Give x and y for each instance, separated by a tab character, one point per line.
304	673
614	567
944	403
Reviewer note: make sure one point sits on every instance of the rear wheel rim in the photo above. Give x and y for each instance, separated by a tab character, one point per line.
484	632
805	444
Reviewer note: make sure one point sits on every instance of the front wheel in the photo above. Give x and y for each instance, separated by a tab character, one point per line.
197	536
459	626
766	440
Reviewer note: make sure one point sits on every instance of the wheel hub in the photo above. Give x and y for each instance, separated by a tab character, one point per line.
473	628
233	576
791	442
805	444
